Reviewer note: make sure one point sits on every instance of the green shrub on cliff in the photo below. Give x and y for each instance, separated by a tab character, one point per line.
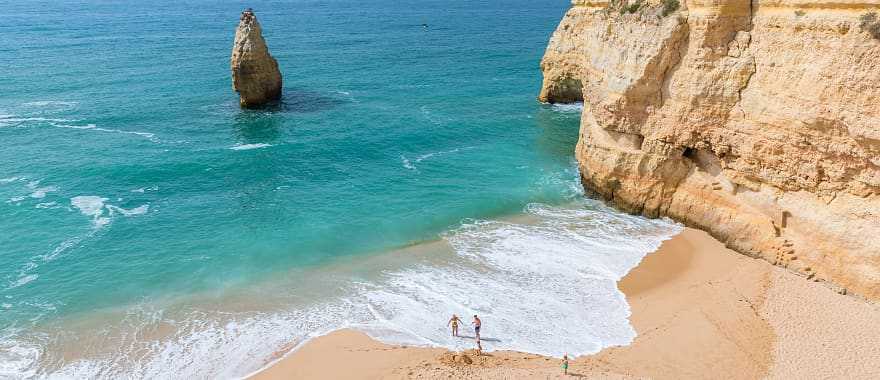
634	7
870	24
670	6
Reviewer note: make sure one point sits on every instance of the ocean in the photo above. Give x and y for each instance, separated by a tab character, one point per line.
150	228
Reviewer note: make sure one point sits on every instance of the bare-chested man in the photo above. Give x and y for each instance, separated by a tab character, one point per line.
477	323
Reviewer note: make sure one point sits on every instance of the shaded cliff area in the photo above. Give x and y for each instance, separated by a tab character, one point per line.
757	121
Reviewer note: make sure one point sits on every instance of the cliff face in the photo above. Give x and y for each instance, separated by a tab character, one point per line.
255	74
756	121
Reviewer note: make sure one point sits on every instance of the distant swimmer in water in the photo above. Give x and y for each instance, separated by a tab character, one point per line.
454	321
425	26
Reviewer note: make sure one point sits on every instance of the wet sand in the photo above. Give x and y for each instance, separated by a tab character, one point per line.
701	311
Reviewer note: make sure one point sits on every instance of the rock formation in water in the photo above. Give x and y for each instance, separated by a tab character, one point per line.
758	121
255	74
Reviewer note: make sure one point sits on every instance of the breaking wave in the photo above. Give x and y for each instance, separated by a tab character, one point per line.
543	282
250	146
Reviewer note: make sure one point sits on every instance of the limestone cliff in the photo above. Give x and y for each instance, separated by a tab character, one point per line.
255	74
756	121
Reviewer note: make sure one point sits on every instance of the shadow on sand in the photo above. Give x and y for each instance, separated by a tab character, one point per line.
482	339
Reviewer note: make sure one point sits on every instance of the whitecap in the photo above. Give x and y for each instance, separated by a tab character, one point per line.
15	199
249	146
61	248
101	222
46	205
440	153
89	205
576	107
25	274
44	103
145	189
142	209
9	180
406	163
93	127
23	280
411	164
92	206
41	192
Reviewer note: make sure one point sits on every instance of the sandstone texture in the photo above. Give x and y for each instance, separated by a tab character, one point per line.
757	121
255	74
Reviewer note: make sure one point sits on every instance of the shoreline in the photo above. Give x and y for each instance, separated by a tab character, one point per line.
700	311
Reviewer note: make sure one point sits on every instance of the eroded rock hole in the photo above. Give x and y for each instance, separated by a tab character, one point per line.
567	90
706	160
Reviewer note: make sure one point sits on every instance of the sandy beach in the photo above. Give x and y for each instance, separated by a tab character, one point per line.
701	311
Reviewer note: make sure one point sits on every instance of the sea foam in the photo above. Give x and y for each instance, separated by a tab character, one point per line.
528	279
93	127
249	146
89	205
544	282
576	107
142	209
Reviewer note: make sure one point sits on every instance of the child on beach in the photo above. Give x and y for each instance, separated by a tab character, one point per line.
454	322
565	364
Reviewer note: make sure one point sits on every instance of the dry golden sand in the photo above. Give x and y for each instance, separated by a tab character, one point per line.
701	312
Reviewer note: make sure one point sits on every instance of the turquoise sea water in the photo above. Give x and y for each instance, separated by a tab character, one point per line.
147	223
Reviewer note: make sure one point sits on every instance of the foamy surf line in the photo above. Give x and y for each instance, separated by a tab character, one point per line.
249	146
575	107
525	280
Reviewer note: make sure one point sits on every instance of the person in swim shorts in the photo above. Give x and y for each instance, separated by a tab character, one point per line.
565	364
477	323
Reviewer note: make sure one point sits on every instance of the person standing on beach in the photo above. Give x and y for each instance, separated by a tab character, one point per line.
454	321
477	323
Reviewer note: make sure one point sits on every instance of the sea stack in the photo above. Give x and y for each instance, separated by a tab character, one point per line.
255	74
758	124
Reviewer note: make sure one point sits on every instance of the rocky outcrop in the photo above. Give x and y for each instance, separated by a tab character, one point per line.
758	121
255	74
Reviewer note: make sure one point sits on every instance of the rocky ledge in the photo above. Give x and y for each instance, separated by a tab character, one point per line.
757	121
255	74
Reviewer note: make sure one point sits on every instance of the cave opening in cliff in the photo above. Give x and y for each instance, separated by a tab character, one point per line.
690	153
